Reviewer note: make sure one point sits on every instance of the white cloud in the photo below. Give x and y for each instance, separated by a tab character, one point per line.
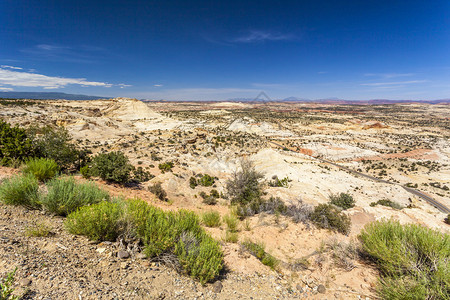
393	83
123	85
25	79
158	85
3	89
11	67
255	36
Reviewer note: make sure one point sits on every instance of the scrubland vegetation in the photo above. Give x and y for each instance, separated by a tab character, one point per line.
412	260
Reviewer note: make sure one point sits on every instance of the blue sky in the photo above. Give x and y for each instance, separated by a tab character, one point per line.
211	50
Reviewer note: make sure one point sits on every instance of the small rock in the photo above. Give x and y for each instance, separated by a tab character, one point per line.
101	250
25	282
123	254
141	256
299	288
124	265
217	287
321	289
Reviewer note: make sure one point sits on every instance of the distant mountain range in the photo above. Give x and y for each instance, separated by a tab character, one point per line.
47	96
334	100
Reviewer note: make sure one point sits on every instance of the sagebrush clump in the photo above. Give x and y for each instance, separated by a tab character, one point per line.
65	195
99	222
20	190
342	200
41	168
329	217
413	260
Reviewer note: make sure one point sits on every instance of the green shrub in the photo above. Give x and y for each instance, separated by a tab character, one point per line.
328	216
55	143
193	182
211	219
232	222
99	222
15	145
112	167
41	168
447	220
20	190
180	233
343	200
275	182
206	180
159	192
65	195
200	256
165	167
86	172
245	186
258	250
273	205
137	213
6	289
139	175
388	203
412	259
210	199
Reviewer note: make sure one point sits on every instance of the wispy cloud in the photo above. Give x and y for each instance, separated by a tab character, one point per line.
77	54
389	75
158	85
26	79
3	89
258	36
10	67
123	85
393	83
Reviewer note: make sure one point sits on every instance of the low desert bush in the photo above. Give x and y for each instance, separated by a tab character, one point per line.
165	167
413	260
200	256
330	217
275	182
112	167
159	192
245	186
98	222
211	219
206	180
299	211
258	250
273	205
210	199
180	233
342	200
232	222
15	144
56	144
20	190
41	168
65	195
447	220
388	203
38	229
